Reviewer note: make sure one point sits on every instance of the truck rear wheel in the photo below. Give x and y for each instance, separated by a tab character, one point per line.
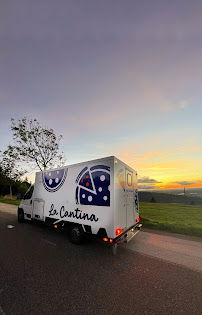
76	234
21	217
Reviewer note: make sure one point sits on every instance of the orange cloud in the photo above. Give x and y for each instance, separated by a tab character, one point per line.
169	164
172	185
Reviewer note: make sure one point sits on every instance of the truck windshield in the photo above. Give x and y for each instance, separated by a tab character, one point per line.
28	194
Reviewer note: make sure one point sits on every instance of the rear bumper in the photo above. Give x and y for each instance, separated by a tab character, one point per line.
128	235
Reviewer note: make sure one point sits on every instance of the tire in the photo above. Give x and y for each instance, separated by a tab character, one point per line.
21	218
76	234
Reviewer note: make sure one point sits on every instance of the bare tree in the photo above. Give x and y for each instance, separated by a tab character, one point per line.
36	144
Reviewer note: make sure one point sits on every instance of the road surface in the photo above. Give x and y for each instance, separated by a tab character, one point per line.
41	272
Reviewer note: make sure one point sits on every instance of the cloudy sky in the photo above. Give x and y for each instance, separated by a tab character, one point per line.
114	77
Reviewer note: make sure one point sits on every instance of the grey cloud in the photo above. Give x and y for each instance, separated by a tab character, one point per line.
146	187
185	183
101	18
146	179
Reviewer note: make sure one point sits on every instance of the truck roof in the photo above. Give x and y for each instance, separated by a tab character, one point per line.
85	162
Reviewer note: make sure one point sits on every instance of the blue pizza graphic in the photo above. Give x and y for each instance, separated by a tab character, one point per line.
54	179
93	186
136	200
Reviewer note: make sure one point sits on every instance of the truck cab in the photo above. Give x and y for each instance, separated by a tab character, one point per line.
31	207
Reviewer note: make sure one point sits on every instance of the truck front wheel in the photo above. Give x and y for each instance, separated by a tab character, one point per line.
21	217
76	234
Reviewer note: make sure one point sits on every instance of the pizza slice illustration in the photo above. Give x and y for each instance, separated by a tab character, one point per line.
93	186
86	181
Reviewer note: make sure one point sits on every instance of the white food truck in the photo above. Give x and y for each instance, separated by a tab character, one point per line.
98	197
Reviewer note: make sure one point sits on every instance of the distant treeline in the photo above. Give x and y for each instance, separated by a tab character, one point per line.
18	187
146	196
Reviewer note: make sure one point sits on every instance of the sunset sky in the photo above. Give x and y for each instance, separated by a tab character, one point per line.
119	78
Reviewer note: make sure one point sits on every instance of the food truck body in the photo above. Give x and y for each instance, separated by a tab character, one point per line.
98	197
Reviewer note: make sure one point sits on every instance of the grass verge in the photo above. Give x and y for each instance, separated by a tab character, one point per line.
10	201
173	218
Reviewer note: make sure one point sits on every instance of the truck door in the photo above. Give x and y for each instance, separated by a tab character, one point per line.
129	198
38	209
27	201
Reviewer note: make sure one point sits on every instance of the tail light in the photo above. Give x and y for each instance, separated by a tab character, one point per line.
138	220
119	231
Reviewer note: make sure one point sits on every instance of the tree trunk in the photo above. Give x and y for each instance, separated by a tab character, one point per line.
11	195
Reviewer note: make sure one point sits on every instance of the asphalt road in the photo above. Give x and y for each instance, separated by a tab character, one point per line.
41	272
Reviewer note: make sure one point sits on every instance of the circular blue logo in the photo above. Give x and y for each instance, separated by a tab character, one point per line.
54	179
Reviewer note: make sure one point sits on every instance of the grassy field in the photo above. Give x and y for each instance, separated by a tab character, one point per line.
10	201
180	219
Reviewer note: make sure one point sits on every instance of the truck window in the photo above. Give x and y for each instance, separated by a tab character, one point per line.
129	179
28	194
